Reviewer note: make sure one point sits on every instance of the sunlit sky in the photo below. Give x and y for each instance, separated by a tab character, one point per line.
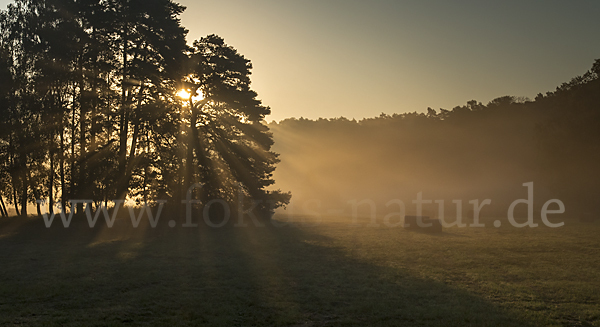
331	58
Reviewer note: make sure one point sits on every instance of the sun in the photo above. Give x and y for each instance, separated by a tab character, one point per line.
184	94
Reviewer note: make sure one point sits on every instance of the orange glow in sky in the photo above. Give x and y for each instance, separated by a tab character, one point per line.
357	59
331	58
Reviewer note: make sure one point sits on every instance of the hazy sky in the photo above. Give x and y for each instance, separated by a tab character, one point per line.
331	58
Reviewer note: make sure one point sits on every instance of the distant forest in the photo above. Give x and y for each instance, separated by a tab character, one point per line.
474	151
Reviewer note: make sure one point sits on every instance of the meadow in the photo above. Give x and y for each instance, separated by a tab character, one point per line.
300	272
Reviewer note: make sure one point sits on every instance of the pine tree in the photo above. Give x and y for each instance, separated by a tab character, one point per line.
227	143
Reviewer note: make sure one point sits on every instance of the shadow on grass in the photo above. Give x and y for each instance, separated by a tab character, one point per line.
201	276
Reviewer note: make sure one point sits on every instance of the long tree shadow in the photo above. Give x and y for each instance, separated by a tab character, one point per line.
245	276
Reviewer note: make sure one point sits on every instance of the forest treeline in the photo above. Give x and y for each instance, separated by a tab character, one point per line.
473	151
89	108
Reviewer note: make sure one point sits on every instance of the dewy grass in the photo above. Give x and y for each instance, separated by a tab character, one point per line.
313	274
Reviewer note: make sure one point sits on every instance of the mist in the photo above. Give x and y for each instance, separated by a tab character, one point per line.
472	152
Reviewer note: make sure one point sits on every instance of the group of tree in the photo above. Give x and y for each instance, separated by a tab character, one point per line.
89	108
471	151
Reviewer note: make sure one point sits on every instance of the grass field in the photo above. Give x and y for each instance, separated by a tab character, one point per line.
301	274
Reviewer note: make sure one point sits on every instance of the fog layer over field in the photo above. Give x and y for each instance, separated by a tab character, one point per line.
473	152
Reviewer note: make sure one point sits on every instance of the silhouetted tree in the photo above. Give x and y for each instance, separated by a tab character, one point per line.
227	143
6	86
89	107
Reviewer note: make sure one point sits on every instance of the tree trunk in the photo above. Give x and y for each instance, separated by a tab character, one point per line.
189	159
25	183
51	180
82	141
93	102
3	208
61	165
15	200
122	184
39	209
13	174
36	194
72	159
